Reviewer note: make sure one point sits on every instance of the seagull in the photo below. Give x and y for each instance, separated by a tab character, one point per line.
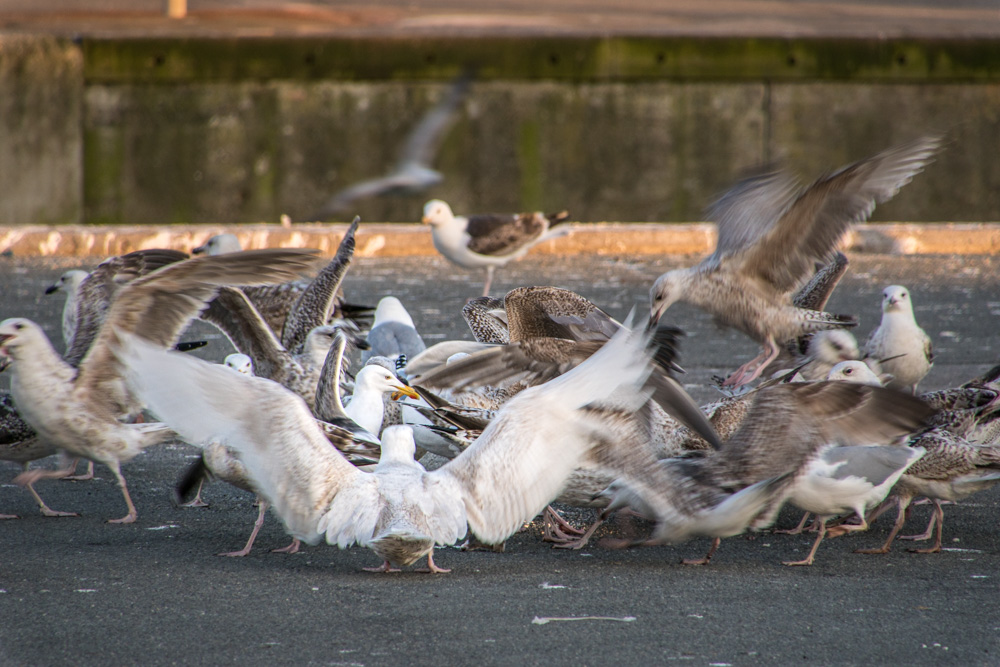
771	233
903	348
855	371
720	493
68	283
79	409
400	511
19	443
393	332
489	241
371	383
294	308
412	173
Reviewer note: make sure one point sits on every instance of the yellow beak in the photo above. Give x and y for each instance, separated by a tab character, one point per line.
404	391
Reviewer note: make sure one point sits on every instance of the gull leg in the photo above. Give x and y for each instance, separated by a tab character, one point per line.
132	514
9	516
489	280
557	529
431	567
758	364
292	548
845	528
926	535
582	541
197	502
384	567
808	560
262	509
80	478
903	504
708	557
936	548
798	529
38	499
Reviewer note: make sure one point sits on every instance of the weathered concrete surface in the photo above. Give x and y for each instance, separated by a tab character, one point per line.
414	240
41	148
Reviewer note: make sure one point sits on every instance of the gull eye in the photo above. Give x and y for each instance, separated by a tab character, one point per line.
848	371
18	326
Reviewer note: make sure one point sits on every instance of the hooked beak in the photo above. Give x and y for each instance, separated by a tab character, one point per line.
5	337
200	249
403	390
52	288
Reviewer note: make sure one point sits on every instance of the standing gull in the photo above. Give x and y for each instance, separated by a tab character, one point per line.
488	241
79	409
903	348
771	233
412	173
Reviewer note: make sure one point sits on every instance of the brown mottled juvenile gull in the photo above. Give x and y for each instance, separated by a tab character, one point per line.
79	409
723	492
412	173
293	309
771	233
489	241
903	349
69	284
514	469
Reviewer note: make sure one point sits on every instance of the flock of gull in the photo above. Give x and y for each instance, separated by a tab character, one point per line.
554	401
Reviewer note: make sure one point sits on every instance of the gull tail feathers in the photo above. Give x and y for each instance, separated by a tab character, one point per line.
818	320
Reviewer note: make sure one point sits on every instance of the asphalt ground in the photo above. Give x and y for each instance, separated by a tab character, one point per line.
80	591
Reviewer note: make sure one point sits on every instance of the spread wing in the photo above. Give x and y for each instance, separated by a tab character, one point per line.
775	233
287	455
316	303
158	306
100	287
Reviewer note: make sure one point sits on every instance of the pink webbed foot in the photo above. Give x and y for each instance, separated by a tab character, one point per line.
431	567
384	567
292	548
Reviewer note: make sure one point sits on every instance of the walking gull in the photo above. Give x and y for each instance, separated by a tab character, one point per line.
79	409
488	241
771	234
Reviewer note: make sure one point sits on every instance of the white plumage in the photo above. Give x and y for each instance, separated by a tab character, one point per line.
902	348
505	478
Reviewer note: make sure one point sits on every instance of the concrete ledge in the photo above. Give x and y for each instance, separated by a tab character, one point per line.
410	240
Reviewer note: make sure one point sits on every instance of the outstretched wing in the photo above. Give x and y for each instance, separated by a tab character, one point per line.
287	455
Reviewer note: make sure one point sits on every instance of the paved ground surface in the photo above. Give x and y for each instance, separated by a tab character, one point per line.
80	591
432	18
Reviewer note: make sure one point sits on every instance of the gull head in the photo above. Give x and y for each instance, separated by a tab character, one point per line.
856	372
666	291
437	212
896	299
240	363
219	244
834	345
398	444
15	333
319	340
67	282
380	379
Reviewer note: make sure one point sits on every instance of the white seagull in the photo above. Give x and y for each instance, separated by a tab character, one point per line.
393	332
488	241
518	465
899	341
771	234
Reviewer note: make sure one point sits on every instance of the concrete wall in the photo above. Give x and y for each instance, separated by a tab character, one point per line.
162	133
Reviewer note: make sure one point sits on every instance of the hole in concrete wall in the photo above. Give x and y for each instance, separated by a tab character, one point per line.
901	59
791	60
159	59
661	58
554	58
